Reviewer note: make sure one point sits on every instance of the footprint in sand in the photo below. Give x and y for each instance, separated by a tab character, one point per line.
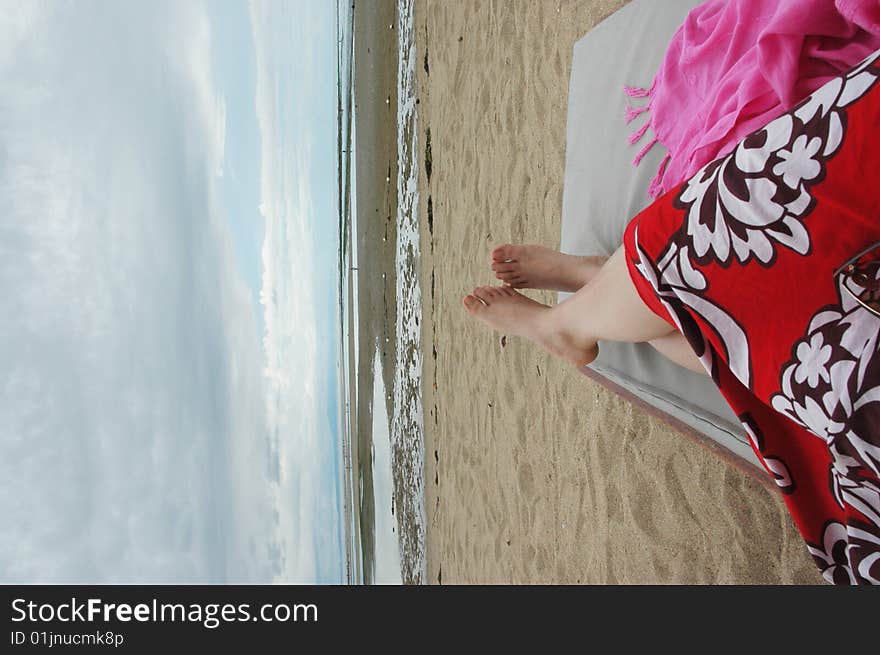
526	480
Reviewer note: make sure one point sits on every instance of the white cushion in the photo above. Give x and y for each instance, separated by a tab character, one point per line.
603	191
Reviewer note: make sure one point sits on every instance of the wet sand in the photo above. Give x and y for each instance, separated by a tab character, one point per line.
534	473
376	206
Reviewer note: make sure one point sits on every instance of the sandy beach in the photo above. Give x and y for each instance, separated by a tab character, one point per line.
534	473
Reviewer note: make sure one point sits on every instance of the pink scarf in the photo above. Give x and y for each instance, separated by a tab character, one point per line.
735	65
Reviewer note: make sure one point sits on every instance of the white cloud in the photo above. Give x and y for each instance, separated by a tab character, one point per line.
295	350
134	438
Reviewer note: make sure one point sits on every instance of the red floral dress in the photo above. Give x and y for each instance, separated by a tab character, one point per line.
741	260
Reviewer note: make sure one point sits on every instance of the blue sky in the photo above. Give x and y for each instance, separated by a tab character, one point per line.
168	309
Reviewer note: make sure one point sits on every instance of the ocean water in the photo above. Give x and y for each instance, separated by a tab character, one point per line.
380	304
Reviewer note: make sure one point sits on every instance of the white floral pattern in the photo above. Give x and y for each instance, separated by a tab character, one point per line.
680	287
843	409
799	163
850	488
777	468
812	360
742	205
843	405
676	283
745	207
848	554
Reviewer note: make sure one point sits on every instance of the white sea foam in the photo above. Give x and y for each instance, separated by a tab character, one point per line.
407	424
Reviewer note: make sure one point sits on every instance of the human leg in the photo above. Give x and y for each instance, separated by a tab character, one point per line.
676	348
528	266
538	267
607	308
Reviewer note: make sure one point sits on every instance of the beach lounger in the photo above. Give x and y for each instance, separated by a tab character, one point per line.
603	191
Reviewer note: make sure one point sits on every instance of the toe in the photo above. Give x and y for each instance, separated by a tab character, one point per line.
481	294
503	253
503	267
471	303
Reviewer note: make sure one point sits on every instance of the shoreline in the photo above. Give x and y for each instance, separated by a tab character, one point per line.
388	295
375	170
534	473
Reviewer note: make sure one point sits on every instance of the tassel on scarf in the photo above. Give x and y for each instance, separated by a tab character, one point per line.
655	189
638	92
635	136
631	112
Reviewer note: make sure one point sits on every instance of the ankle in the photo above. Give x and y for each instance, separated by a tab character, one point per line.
550	327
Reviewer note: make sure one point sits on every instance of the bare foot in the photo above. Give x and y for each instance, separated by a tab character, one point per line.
537	267
510	312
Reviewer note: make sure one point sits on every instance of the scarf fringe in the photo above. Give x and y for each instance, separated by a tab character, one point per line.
635	136
638	92
631	112
655	189
644	151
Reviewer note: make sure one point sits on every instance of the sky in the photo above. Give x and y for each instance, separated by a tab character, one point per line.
167	292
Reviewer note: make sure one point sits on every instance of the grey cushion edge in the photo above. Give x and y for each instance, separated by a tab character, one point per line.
650	24
720	431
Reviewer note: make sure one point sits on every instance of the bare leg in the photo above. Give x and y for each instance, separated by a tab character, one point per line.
538	267
510	312
608	308
676	348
